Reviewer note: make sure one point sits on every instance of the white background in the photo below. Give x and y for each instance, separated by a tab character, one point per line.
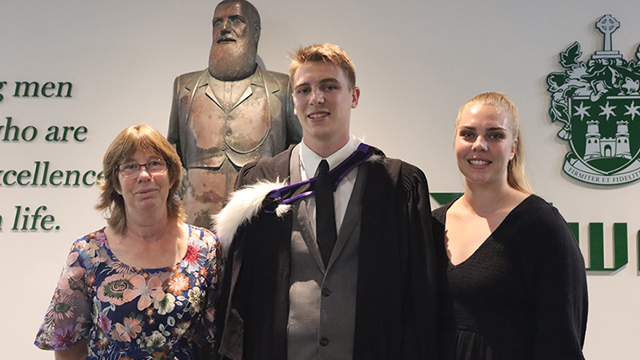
416	62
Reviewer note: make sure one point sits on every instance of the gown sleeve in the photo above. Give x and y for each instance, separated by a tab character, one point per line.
420	312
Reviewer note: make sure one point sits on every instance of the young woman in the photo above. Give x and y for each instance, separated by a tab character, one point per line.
515	278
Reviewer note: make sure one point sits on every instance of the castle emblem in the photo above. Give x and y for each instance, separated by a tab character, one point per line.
598	103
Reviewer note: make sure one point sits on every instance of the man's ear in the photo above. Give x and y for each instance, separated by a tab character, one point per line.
256	34
355	96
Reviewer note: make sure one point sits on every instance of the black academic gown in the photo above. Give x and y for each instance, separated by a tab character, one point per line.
396	314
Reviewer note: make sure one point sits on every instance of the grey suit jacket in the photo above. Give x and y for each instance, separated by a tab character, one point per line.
323	301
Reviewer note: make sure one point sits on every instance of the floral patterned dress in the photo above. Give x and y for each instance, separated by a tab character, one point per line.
131	313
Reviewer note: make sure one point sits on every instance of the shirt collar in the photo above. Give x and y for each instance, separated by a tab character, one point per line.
256	78
310	160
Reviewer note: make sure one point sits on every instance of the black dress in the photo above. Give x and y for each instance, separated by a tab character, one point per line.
521	295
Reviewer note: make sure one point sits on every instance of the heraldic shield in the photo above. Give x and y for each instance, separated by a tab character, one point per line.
598	102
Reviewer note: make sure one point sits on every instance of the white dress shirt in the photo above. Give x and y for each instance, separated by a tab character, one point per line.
309	162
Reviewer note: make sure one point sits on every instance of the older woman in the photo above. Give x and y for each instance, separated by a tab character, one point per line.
143	287
515	276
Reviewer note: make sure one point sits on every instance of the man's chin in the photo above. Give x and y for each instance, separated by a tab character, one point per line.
228	56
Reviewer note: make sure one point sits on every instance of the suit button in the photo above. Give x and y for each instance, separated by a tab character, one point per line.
326	292
229	117
324	341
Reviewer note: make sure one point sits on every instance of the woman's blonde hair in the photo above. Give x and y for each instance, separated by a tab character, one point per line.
124	146
516	174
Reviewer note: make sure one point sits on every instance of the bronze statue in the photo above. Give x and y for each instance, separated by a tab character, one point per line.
229	114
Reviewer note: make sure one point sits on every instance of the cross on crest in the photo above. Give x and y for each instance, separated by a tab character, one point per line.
607	25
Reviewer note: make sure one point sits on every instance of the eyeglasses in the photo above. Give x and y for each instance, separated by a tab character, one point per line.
133	169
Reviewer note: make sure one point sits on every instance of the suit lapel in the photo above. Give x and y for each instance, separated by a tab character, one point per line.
257	79
352	215
301	214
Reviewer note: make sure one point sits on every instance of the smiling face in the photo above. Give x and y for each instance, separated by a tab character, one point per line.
236	30
484	145
323	103
144	192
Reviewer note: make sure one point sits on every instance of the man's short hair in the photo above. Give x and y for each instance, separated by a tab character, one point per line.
328	53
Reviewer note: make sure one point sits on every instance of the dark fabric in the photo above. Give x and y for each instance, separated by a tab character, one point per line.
522	294
397	294
325	212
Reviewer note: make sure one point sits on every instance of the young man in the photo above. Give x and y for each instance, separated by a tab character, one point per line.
350	275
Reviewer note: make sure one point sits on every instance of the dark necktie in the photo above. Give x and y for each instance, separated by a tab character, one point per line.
326	233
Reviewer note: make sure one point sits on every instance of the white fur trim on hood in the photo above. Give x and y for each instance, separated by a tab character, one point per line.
243	205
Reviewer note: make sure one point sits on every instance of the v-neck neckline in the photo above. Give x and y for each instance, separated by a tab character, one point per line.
489	238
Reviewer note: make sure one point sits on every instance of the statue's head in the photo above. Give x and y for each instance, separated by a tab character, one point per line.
236	31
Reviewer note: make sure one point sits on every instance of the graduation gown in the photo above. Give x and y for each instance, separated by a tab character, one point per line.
397	291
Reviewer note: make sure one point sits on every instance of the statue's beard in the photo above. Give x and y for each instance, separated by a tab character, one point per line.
232	62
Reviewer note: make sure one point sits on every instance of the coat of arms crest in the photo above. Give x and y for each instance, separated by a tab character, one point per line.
598	101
